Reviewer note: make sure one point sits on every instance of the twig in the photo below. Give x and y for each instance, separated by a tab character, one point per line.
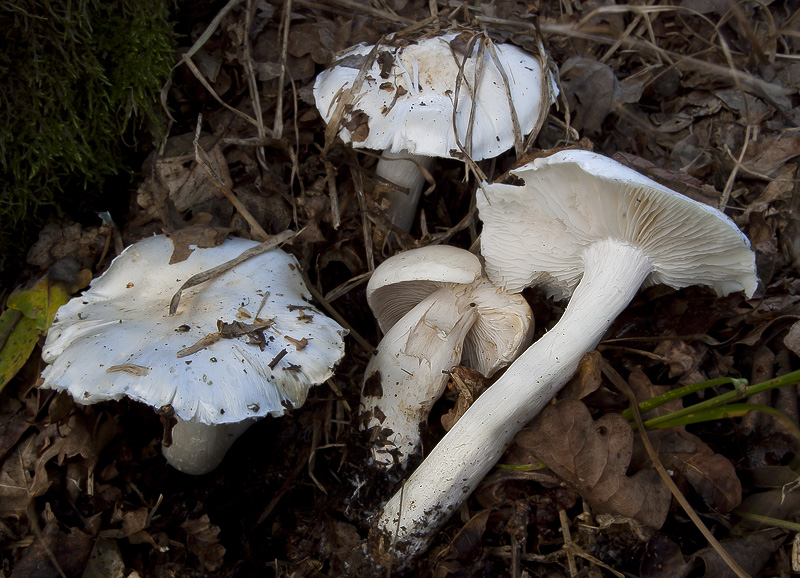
209	274
336	316
212	92
726	192
285	24
252	84
358	184
623	386
207	33
203	161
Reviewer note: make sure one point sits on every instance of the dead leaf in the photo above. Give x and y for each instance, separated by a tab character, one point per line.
663	559
105	561
71	548
57	241
751	551
315	38
587	378
202	540
712	476
468	383
592	91
16	478
792	338
201	236
767	157
132	521
177	176
593	457
465	547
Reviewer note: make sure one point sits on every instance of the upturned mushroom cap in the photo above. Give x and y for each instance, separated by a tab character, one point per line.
402	281
574	198
405	100
504	323
118	338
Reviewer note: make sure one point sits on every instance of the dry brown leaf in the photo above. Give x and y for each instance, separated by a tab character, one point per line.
663	559
792	338
202	540
587	378
198	235
464	548
684	359
15	479
71	548
179	177
592	91
712	476
767	157
315	38
132	521
593	458
751	551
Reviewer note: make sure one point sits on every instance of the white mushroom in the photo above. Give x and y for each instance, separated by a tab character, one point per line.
583	225
433	303
404	103
241	346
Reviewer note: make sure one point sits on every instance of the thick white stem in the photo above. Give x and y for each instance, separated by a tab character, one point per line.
198	448
613	274
404	173
405	376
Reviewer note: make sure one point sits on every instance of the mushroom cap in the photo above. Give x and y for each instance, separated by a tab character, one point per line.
117	339
405	279
405	101
504	324
536	234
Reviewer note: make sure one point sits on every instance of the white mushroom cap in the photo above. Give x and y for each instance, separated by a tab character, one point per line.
405	279
503	325
118	339
536	234
436	308
406	99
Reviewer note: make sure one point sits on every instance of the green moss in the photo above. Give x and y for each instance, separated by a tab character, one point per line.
78	76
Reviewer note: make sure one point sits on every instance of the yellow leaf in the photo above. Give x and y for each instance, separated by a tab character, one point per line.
29	313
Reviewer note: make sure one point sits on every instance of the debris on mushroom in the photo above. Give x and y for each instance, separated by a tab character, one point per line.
215	373
434	304
412	102
585	225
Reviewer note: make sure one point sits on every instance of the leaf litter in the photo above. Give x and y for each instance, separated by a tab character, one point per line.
699	96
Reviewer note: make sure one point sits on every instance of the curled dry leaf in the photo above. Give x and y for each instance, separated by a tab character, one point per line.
592	457
465	547
751	551
663	559
202	540
177	176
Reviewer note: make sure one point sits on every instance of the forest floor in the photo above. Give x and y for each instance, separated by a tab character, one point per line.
701	96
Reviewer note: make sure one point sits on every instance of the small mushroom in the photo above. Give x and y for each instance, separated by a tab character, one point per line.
210	364
403	104
433	304
585	225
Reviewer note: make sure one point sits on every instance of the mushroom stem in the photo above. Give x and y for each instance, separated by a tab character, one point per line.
613	273
406	375
403	172
198	448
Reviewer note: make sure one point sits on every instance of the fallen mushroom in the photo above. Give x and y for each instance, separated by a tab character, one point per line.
221	362
403	104
433	303
585	225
